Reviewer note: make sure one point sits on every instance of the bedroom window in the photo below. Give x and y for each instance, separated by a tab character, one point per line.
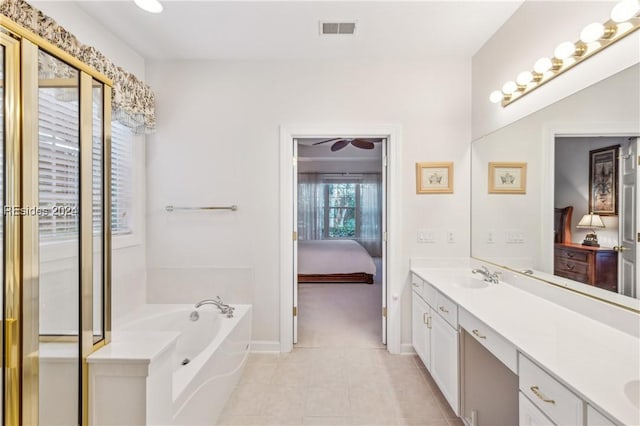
341	214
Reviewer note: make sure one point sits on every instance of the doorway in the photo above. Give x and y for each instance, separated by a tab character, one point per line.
390	305
339	251
597	176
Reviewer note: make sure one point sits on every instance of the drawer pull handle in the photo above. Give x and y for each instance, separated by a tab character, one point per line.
425	318
570	266
477	333
569	254
442	308
414	284
536	392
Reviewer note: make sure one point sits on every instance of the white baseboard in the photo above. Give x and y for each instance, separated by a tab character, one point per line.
265	346
407	349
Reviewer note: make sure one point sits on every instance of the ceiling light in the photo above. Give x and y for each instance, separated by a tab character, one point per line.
625	10
524	78
509	87
564	50
592	32
495	96
542	65
152	6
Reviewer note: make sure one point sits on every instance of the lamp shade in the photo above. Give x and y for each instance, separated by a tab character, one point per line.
590	221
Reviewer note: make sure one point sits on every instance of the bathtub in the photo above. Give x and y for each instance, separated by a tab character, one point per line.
192	375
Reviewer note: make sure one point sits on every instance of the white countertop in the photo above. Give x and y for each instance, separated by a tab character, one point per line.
593	359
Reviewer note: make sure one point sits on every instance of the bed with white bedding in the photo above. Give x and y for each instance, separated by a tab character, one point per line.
335	261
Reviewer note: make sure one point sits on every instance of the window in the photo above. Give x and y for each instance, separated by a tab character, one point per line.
121	179
341	213
59	166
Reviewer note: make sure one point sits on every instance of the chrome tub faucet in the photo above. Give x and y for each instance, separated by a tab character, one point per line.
217	302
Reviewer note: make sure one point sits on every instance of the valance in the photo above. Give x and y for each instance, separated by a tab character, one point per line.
133	102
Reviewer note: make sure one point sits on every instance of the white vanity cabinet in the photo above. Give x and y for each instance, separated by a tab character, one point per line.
530	415
594	418
435	337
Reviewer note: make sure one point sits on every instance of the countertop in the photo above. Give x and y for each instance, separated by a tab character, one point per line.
593	359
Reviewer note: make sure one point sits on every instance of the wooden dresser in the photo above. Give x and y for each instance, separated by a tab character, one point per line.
590	265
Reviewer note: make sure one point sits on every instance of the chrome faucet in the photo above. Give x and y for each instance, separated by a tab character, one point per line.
223	307
489	277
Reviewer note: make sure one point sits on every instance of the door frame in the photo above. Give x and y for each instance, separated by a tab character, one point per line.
393	134
611	129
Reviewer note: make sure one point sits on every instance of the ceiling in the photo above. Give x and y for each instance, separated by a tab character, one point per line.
289	30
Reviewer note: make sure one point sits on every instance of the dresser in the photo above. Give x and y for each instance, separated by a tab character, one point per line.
590	265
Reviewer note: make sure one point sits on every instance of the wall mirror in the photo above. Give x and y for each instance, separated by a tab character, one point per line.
580	152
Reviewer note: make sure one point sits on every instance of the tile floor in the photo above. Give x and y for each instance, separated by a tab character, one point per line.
337	386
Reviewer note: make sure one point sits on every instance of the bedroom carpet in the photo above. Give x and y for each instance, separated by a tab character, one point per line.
340	315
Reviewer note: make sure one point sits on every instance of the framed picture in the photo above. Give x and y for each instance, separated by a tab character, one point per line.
603	181
434	178
507	178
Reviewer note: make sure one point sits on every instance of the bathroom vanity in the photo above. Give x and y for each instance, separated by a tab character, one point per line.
540	362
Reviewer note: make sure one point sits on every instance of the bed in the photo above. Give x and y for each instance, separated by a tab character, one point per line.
334	261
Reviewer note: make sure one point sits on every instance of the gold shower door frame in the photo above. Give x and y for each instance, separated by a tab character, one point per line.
20	330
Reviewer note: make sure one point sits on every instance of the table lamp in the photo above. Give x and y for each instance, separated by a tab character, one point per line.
590	221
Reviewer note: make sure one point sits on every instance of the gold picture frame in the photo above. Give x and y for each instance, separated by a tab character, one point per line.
434	178
507	178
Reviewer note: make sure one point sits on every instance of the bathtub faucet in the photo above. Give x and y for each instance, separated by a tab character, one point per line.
223	307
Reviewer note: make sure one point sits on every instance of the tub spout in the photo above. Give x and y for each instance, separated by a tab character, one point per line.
223	307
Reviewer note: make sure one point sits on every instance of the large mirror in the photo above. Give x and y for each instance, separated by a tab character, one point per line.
576	222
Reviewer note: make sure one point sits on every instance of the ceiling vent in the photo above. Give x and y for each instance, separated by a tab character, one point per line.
337	28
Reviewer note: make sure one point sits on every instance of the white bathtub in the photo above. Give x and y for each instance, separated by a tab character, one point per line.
200	364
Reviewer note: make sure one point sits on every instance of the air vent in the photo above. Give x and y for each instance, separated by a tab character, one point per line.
337	28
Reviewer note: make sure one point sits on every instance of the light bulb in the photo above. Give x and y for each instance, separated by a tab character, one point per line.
592	32
625	10
509	87
495	96
564	50
152	6
542	65
524	78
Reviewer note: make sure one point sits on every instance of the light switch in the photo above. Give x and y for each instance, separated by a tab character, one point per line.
451	237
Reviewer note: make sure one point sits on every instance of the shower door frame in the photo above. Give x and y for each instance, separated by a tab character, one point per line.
21	335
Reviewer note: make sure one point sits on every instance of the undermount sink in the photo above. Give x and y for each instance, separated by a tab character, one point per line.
632	391
469	282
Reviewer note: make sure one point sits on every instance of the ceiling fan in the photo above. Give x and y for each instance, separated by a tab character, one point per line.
339	143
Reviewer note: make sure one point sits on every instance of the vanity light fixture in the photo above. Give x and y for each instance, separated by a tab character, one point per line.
625	19
151	6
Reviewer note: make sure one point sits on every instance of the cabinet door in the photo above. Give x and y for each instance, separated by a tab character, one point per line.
530	415
419	329
444	359
594	418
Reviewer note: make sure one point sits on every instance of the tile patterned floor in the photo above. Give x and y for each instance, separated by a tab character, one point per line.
337	386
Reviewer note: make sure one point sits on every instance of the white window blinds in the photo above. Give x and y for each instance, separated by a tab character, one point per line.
59	169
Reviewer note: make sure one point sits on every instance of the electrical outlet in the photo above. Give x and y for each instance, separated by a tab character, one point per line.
451	237
491	237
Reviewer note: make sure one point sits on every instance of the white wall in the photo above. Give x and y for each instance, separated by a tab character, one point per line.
128	255
572	184
218	143
533	31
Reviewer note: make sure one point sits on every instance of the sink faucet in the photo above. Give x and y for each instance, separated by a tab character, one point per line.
224	308
489	277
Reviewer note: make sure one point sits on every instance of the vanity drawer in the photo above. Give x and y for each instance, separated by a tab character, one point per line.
549	395
429	293
496	344
417	284
577	255
447	309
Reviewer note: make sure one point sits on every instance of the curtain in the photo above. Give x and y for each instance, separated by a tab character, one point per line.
370	204
310	206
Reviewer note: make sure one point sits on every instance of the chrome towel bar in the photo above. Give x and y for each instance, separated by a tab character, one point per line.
171	208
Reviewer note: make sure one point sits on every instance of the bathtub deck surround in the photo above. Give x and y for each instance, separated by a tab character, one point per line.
337	386
163	367
558	354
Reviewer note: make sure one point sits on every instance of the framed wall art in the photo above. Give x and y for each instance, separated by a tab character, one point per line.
507	178
603	181
434	178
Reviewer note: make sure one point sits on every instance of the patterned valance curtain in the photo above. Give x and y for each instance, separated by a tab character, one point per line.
133	102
